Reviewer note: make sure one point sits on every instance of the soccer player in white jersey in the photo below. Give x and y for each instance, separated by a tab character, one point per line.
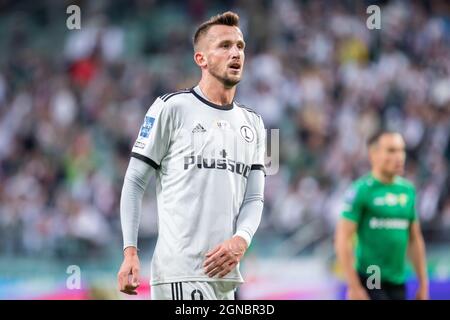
207	154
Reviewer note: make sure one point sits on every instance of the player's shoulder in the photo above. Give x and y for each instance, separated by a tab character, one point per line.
170	97
168	102
364	182
401	181
358	188
248	110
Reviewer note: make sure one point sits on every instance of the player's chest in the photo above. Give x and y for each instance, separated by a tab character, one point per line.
385	203
220	133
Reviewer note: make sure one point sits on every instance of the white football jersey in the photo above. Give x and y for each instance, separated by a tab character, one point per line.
202	153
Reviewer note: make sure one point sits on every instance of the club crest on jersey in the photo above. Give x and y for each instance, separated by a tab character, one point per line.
247	133
391	200
146	127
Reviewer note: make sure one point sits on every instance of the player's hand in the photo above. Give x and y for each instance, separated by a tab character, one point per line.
128	275
422	293
357	293
223	258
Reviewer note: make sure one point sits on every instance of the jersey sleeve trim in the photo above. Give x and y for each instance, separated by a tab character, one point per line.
258	167
146	160
170	95
349	216
243	107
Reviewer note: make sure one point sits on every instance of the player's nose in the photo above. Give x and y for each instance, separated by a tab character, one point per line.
235	52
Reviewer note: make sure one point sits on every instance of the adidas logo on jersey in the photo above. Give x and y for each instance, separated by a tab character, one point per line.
198	128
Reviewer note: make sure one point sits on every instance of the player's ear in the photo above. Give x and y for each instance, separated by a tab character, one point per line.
200	59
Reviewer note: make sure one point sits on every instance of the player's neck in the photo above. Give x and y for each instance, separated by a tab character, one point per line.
382	177
216	92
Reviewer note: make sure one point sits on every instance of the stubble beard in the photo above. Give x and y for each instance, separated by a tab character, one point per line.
224	79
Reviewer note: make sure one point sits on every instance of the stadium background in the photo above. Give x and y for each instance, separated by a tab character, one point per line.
72	101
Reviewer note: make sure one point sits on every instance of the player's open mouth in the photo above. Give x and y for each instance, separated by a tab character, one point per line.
235	66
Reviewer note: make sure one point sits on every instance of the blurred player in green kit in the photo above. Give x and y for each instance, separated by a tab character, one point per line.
380	210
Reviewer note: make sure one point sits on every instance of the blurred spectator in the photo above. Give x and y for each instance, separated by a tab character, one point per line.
69	113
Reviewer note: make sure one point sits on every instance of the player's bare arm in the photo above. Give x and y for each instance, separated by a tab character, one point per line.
416	252
345	231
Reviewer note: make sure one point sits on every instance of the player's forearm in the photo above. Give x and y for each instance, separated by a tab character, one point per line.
252	206
417	256
344	252
249	219
135	182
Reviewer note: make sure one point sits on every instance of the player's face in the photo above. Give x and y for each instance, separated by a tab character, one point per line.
389	154
224	53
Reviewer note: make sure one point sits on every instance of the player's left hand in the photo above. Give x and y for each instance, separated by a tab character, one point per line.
223	258
422	293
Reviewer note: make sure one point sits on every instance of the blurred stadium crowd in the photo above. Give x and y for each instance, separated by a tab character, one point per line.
72	102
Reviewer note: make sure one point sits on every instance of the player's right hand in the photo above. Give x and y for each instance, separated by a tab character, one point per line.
128	275
357	293
224	258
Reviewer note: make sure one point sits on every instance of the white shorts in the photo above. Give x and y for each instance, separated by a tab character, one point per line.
194	290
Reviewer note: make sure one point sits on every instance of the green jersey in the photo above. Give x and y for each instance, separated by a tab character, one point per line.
383	214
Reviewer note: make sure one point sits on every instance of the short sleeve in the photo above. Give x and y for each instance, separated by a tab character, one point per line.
153	139
259	159
353	204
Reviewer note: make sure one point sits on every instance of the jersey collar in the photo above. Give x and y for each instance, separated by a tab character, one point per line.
225	107
394	181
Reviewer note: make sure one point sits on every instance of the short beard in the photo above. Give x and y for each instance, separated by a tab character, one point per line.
227	82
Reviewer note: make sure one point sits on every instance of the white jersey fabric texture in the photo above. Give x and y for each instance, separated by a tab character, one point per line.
204	156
